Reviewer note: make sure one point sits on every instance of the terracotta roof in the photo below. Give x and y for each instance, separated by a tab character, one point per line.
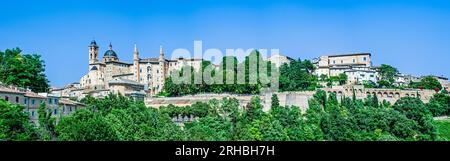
34	95
70	102
10	90
124	81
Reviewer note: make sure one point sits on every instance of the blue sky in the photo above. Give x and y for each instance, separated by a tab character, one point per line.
412	35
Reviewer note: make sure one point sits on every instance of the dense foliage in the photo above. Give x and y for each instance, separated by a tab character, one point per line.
427	82
387	75
439	104
328	118
295	76
443	128
117	118
229	77
23	70
14	123
298	75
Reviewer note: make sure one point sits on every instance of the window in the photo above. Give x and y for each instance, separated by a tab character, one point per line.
32	113
56	101
32	101
354	60
365	59
342	61
56	111
334	61
70	108
17	99
371	75
50	101
25	101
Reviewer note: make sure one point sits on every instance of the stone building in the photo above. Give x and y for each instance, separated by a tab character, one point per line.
279	59
143	76
54	104
357	66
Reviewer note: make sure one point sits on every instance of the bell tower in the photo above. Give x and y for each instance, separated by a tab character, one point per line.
137	72
162	67
93	52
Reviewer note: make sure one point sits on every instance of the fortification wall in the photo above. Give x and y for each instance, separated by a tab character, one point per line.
298	99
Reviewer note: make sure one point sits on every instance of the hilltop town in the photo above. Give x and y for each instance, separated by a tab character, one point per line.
144	78
333	88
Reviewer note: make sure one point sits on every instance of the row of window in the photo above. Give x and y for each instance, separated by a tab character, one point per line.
33	101
55	111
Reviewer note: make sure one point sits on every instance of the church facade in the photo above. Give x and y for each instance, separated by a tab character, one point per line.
143	76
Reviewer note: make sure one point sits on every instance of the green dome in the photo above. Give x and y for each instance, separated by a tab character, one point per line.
110	52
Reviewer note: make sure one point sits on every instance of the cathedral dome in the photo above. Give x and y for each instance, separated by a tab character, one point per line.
110	52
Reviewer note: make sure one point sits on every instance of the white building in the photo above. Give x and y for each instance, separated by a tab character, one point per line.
358	67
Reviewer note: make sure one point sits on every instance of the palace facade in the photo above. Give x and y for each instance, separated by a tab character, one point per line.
357	66
143	76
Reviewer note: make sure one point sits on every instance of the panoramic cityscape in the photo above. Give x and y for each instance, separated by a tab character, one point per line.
225	71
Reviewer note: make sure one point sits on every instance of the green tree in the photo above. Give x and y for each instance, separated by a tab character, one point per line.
427	82
439	104
27	71
298	76
387	74
209	129
275	101
342	78
46	123
15	124
415	109
85	125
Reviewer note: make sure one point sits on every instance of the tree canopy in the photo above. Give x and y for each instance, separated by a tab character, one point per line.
23	70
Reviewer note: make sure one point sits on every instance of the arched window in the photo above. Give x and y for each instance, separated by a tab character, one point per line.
149	69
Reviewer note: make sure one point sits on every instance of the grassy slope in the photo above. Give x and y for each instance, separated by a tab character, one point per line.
443	127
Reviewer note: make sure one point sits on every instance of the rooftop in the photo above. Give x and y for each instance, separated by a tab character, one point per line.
124	81
352	54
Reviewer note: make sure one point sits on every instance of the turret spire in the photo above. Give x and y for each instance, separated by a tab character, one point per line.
136	53
161	53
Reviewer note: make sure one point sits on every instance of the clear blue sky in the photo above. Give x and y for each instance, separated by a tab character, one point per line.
413	36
